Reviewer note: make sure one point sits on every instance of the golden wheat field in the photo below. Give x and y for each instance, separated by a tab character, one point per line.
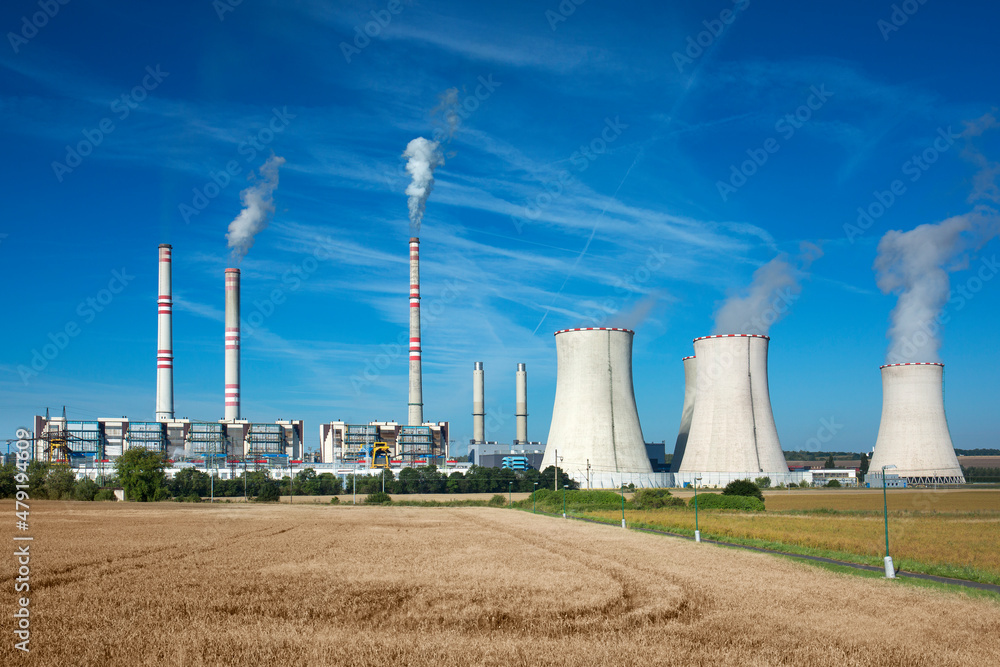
247	584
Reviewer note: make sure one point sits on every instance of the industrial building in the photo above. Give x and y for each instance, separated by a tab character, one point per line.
491	454
412	446
913	435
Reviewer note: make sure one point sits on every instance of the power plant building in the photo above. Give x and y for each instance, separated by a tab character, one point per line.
411	446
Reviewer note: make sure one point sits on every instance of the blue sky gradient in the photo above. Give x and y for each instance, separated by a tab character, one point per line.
582	187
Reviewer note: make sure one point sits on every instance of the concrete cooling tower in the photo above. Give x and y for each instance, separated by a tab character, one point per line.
732	429
913	435
594	418
690	369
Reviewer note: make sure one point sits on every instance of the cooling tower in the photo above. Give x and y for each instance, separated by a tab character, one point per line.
732	428
521	403
687	410
416	402
164	340
913	435
594	418
478	404
232	344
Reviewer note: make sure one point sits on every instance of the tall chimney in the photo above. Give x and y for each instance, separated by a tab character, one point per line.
416	402
164	341
478	404
521	404
232	344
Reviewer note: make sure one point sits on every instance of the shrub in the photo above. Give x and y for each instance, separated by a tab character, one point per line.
763	482
714	501
192	498
378	498
651	499
743	487
832	483
803	484
85	489
268	493
335	500
105	494
498	500
161	494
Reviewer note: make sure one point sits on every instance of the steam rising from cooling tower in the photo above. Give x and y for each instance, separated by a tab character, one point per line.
773	288
164	339
423	156
915	265
258	208
232	339
594	419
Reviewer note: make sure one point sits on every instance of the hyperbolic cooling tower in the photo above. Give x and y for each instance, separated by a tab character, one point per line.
416	397
594	417
478	404
521	403
164	340
690	370
732	428
913	435
232	344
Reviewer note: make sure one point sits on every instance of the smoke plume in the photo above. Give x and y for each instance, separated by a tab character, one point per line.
423	156
915	265
448	108
772	291
258	207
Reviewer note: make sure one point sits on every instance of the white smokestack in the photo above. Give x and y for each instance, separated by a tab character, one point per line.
687	410
164	340
773	287
423	156
258	207
478	403
915	265
416	402
913	434
521	403
232	344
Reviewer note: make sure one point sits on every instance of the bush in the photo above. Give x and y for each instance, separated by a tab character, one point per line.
763	482
268	493
743	487
335	500
378	498
832	483
192	498
85	489
498	500
105	494
714	501
651	499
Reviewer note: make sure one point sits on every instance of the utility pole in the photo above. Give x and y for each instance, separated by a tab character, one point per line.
555	482
588	474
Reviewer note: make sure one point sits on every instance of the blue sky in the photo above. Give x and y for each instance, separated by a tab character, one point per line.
581	188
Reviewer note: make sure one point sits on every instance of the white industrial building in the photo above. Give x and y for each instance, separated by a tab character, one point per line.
412	446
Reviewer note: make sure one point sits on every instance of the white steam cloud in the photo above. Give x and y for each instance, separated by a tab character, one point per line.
448	108
915	265
423	156
773	290
258	207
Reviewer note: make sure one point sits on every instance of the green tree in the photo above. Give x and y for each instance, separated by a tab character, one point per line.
59	483
8	486
37	471
829	464
743	487
141	473
85	489
190	481
456	483
863	467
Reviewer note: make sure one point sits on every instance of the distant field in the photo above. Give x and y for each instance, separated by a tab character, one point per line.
182	584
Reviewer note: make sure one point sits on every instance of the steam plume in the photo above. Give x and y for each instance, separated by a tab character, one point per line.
448	108
258	207
423	156
773	289
915	265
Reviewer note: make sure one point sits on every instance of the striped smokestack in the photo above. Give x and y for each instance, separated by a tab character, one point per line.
232	344
521	403
416	402
164	341
478	403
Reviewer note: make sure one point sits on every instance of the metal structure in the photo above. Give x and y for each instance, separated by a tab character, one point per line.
151	436
732	427
359	439
595	423
521	403
164	340
266	440
687	410
913	435
415	445
207	439
478	404
232	386
415	407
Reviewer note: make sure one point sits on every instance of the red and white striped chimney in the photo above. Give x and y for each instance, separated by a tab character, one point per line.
164	340
232	344
416	403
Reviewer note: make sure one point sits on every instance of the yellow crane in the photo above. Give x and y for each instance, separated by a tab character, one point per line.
380	455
